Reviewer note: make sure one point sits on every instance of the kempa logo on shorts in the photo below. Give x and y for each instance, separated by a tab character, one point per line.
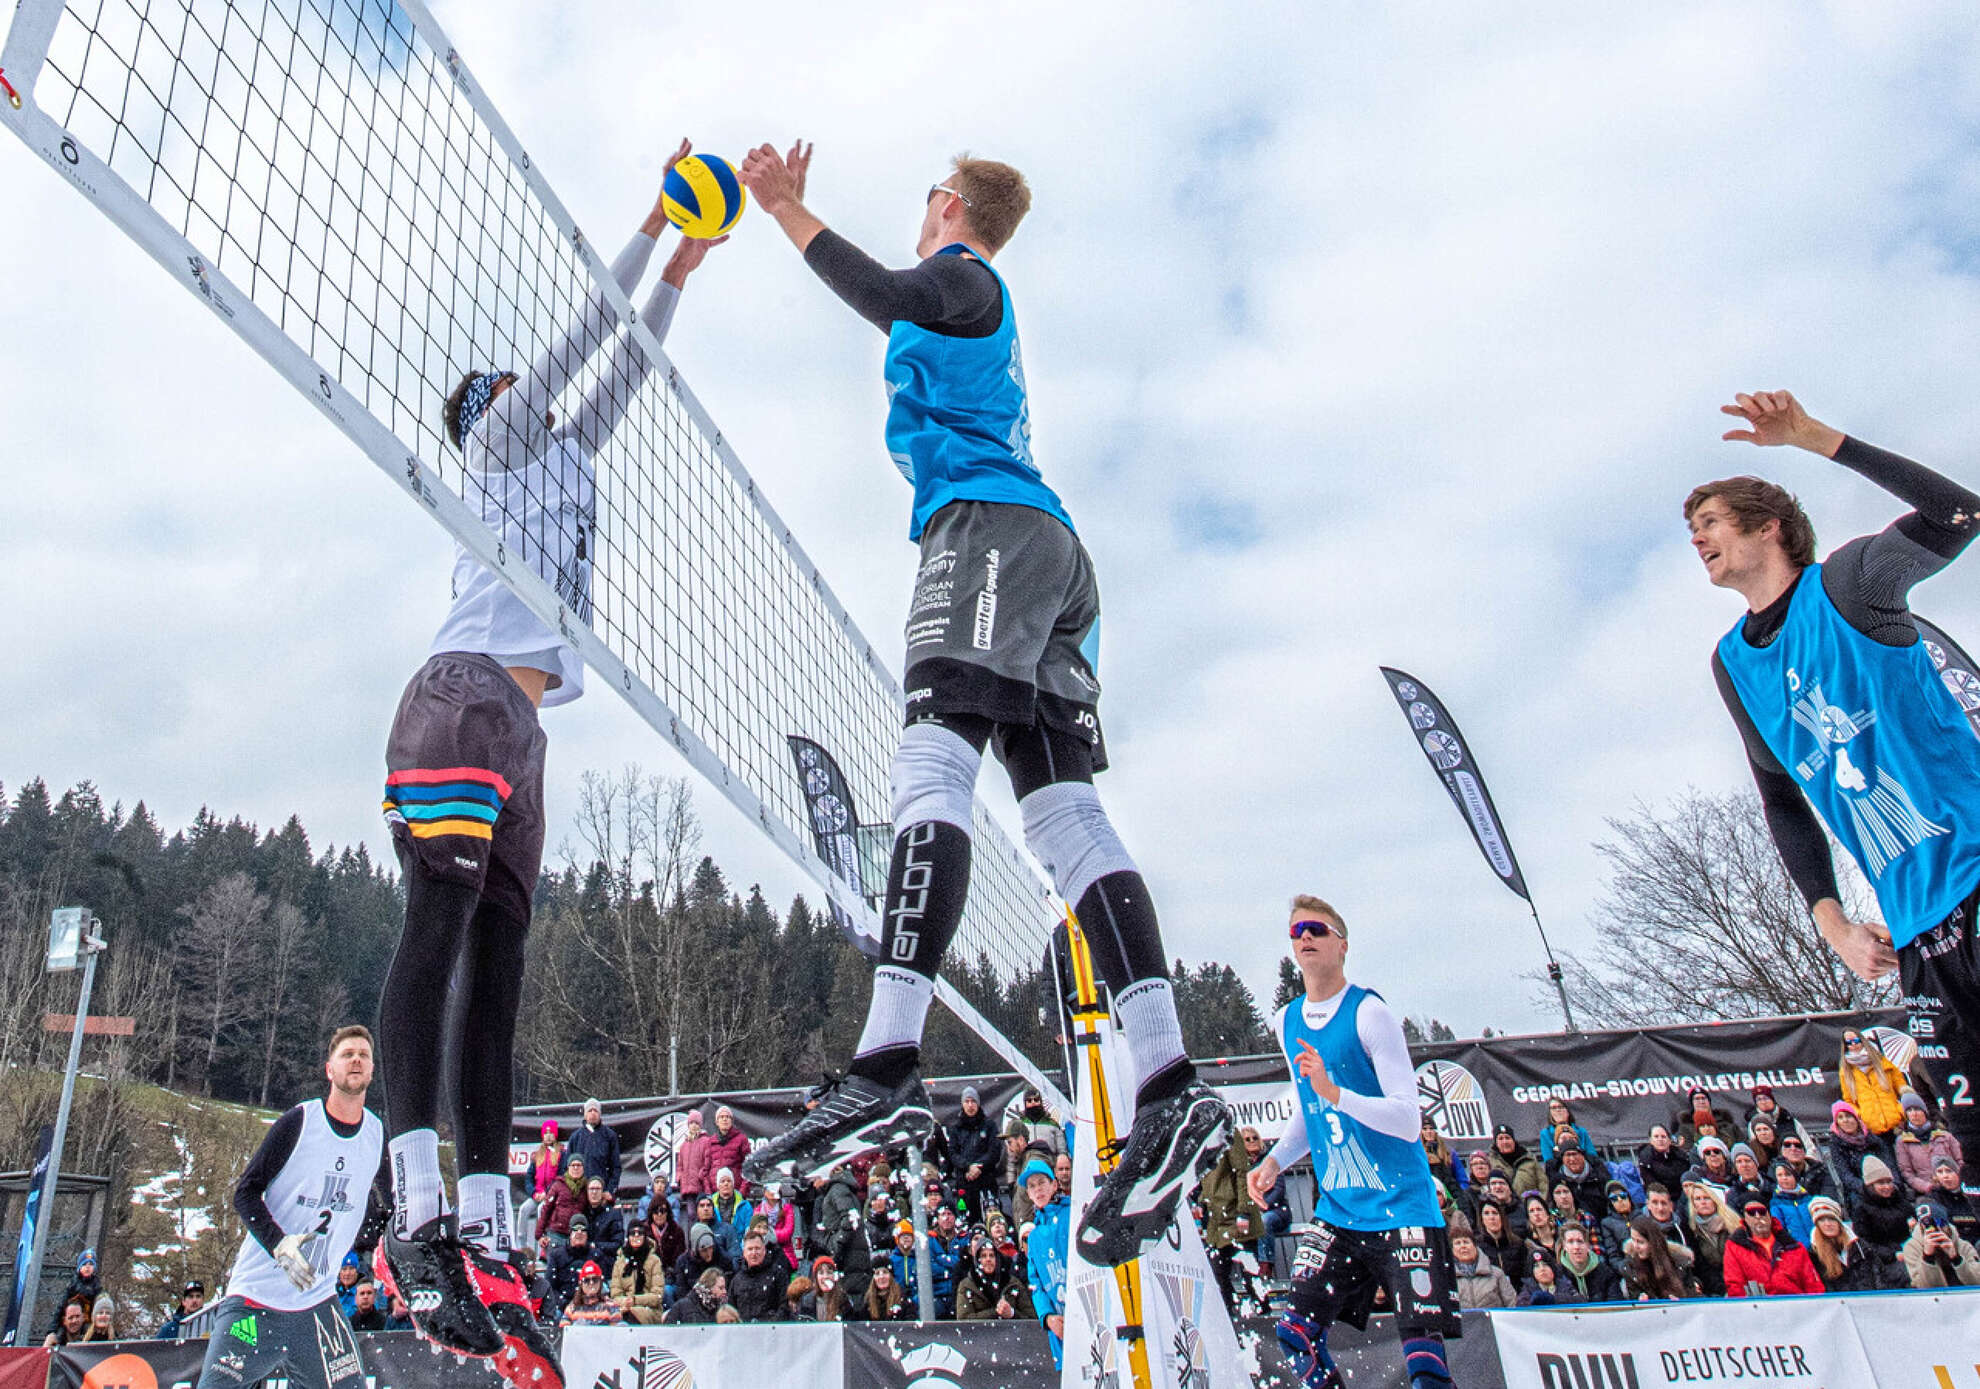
986	603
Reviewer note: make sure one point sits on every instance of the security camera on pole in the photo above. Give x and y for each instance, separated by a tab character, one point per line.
72	936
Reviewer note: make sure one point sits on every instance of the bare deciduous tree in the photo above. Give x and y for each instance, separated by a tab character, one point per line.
223	933
1701	921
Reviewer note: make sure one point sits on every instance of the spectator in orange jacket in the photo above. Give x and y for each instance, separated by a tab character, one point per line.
1870	1082
1764	1260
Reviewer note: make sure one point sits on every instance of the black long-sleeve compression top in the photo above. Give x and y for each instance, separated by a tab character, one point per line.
1869	579
957	296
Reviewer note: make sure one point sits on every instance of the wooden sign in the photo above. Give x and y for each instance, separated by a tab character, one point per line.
94	1026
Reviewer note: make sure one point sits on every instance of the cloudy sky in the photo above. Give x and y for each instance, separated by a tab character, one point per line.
1357	334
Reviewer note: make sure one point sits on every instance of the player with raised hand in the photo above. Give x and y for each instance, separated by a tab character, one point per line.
1002	641
313	1189
1376	1221
464	801
1855	717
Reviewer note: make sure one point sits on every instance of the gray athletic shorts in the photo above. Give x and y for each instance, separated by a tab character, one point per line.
1005	622
315	1348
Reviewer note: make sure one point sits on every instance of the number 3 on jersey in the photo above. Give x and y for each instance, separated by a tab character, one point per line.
1336	1135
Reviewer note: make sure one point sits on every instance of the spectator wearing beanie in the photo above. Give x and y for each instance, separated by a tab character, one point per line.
732	1215
1850	1142
1748	1180
728	1145
1542	1285
1586	1176
348	1274
1954	1203
1701	1118
565	1261
590	1306
1662	1161
1047	1252
1920	1143
1844	1263
1481	1283
1714	1167
828	1292
974	1153
563	1199
1883	1210
1764	1260
704	1253
1524	1171
1934	1257
1869	1081
1619	1209
992	1290
546	1165
598	1144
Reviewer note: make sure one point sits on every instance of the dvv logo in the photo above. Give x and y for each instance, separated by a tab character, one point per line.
1588	1371
651	1367
1454	1101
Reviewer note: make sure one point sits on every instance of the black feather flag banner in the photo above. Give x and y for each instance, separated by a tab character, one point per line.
1437	734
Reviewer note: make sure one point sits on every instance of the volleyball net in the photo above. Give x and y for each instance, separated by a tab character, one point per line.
330	180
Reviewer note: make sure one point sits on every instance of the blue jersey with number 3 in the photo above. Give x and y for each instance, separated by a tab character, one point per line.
1364	1179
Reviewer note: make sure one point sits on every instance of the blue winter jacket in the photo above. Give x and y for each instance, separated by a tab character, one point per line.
1051	1235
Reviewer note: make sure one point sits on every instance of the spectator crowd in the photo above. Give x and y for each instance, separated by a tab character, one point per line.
1708	1205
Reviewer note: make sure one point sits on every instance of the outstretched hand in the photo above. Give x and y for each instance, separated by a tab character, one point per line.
1776	417
1260	1178
770	177
689	252
656	221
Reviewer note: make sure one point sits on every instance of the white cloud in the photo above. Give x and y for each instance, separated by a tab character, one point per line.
1438	306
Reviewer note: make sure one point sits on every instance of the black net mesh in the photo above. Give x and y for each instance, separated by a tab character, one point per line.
323	156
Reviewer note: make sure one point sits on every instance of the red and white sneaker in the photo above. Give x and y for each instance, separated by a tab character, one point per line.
527	1359
426	1270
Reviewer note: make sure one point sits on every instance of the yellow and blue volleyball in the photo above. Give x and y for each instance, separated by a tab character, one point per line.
702	196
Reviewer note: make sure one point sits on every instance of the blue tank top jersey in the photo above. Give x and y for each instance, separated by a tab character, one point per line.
958	419
1878	745
1364	1179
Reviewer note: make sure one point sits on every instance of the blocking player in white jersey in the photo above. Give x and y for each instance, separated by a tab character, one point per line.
464	803
312	1190
1376	1221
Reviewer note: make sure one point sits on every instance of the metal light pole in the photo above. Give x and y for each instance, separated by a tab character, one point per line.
924	1276
71	933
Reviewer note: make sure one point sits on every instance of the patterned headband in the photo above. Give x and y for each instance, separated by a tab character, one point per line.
480	392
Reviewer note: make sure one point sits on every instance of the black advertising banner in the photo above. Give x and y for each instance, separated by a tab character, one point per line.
1437	734
392	1360
834	827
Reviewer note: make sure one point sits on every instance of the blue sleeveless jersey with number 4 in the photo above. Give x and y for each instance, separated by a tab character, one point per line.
1878	745
958	418
1364	1179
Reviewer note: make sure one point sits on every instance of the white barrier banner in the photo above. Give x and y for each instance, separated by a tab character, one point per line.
1921	1340
1187	1329
1771	1343
703	1357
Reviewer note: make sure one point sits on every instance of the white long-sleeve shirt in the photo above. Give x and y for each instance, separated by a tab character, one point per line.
1394	1112
536	487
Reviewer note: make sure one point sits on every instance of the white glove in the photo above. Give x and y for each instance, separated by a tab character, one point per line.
292	1257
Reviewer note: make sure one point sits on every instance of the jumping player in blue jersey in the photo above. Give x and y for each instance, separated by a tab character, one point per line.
1376	1222
1859	716
1002	643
